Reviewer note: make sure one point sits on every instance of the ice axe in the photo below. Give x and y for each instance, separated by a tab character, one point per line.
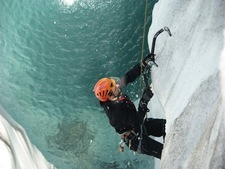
151	62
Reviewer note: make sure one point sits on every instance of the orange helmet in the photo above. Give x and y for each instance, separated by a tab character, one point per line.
103	87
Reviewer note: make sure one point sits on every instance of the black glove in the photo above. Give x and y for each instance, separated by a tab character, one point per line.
143	104
147	95
149	57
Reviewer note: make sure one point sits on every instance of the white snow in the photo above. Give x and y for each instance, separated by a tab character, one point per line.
16	151
189	81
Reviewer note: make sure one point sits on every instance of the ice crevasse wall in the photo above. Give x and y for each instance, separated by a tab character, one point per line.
16	150
188	86
190	80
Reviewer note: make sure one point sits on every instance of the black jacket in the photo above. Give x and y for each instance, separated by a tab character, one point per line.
122	113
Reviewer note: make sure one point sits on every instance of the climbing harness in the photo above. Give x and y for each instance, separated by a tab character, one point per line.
128	136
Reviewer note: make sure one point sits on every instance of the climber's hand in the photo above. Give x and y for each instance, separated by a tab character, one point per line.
147	95
148	58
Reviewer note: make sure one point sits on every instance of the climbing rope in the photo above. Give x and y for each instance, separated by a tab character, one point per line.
143	43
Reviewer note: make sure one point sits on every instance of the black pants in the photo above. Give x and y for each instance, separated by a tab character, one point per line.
154	127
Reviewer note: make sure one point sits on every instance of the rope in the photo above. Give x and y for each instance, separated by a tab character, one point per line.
143	42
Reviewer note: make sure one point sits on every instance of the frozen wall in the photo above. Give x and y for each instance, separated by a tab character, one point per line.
16	151
188	84
187	81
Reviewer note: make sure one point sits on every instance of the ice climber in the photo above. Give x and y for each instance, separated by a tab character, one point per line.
131	124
